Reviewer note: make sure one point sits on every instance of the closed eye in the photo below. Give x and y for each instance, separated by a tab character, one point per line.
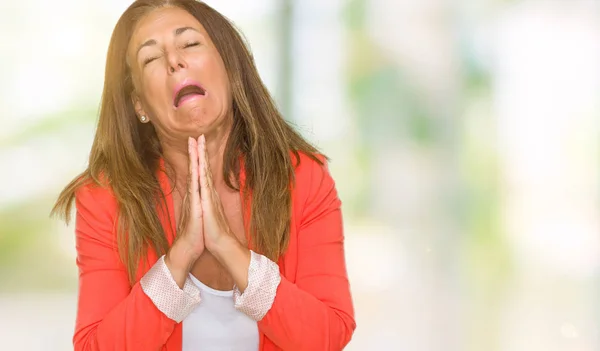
149	59
191	44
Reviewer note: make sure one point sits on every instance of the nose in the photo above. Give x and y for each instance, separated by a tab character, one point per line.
176	62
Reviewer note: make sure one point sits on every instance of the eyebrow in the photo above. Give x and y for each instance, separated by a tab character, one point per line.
176	32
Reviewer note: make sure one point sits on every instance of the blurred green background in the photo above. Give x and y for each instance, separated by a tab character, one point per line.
464	144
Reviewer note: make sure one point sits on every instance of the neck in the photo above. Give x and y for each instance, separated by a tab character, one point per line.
176	156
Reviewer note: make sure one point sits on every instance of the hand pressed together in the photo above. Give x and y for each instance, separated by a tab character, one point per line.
206	223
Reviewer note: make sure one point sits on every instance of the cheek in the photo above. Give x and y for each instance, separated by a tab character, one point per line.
214	69
220	76
223	77
155	92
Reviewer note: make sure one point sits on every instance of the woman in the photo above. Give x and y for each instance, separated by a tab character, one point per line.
204	222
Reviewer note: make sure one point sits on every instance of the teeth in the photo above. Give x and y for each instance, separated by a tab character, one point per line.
190	89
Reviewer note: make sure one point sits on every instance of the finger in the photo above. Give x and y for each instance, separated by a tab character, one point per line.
193	172
204	189
212	196
209	177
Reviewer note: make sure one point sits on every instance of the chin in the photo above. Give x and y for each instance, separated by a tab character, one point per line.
197	116
199	124
198	120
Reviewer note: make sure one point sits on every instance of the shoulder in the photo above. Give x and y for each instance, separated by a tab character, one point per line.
95	197
312	178
308	169
96	227
314	193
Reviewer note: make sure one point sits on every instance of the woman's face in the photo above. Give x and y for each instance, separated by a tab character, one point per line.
180	80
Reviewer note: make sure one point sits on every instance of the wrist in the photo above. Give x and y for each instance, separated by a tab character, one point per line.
224	247
179	258
235	257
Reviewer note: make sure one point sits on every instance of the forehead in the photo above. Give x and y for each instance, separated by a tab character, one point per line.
162	22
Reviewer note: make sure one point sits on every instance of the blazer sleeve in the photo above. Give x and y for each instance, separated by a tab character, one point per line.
111	314
315	312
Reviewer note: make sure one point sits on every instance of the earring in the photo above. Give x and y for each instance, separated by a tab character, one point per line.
143	119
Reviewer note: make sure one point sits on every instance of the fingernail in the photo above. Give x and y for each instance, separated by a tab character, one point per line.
189	142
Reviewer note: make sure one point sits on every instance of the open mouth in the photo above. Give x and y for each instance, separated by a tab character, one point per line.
187	92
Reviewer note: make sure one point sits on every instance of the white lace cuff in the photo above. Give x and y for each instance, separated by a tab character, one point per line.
159	285
263	280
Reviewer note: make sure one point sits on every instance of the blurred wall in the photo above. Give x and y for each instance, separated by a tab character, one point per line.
464	144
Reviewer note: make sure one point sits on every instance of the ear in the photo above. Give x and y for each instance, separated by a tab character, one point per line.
139	109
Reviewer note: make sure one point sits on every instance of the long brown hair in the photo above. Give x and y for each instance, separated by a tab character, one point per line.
126	154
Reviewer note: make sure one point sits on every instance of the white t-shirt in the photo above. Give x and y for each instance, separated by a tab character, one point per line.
216	325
